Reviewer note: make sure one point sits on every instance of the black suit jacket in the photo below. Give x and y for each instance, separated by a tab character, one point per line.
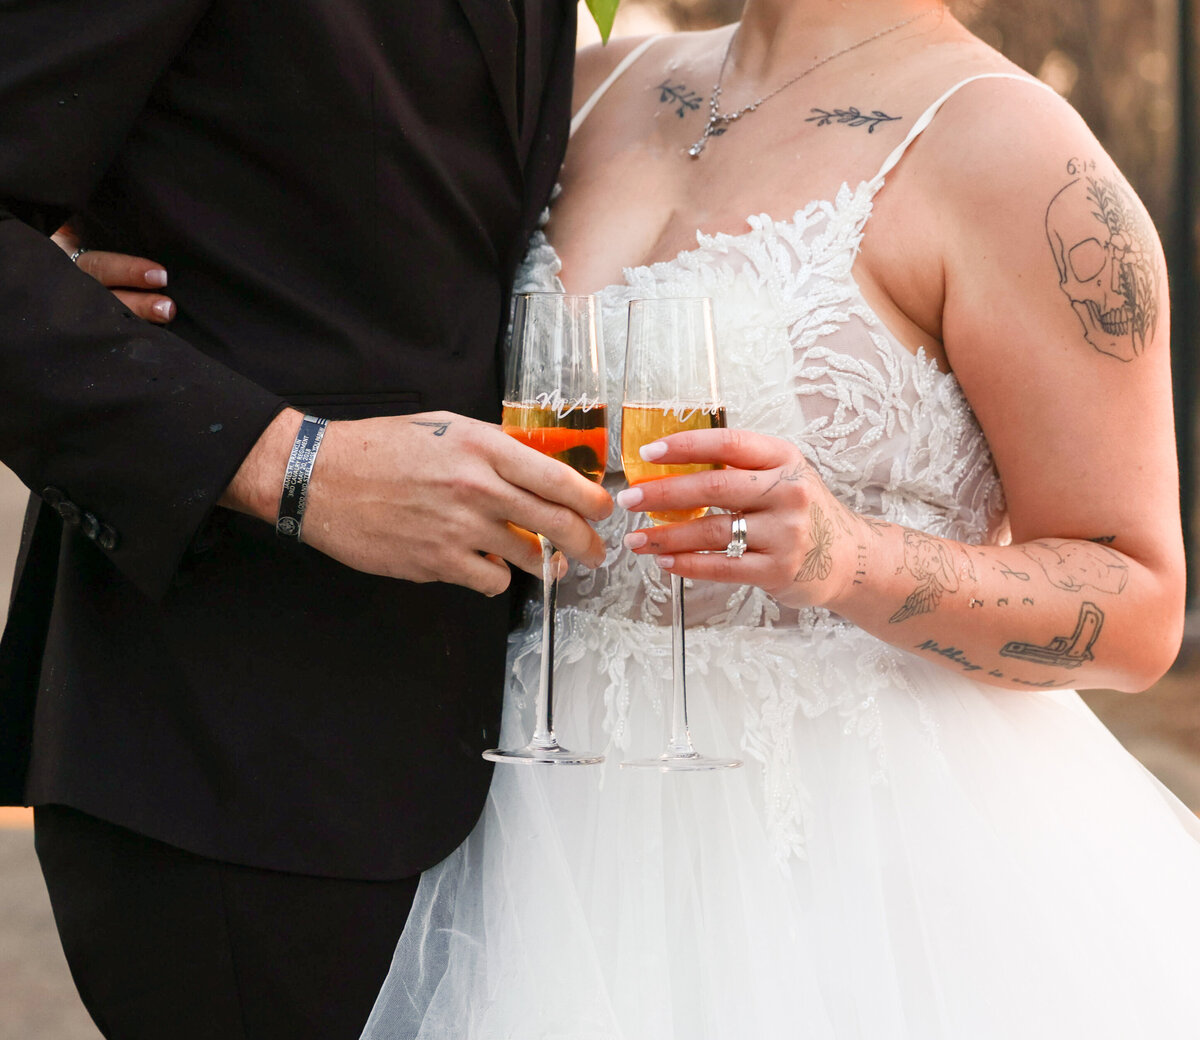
340	190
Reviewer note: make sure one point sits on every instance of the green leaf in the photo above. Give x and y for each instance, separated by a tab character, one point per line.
604	11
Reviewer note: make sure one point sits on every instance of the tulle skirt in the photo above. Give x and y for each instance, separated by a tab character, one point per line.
905	854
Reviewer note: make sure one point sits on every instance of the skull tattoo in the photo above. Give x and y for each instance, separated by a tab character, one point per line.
1105	264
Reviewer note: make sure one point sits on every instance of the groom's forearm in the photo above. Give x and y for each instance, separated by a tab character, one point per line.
123	426
119	419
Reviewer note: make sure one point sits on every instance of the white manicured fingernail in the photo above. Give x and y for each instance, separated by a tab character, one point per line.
164	309
157	277
665	562
630	497
635	540
653	450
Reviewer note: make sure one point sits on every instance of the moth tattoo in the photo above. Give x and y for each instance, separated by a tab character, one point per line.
818	561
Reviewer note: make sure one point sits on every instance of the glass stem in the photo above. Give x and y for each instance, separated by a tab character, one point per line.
680	743
543	731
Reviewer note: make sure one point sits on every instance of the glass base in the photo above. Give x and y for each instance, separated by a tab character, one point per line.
669	763
555	756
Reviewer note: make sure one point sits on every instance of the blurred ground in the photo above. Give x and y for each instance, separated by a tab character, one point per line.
38	1001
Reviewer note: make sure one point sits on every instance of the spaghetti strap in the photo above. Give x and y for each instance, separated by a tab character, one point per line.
600	91
927	116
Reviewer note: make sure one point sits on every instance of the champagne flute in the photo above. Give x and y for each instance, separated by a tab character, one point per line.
670	386
554	402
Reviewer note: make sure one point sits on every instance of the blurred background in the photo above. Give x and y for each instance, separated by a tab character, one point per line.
1128	66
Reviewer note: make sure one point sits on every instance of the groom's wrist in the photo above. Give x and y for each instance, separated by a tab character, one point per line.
255	487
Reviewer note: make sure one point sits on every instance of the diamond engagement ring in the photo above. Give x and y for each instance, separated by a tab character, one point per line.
737	537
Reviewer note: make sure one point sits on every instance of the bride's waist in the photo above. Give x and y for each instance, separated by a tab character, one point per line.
643	595
789	625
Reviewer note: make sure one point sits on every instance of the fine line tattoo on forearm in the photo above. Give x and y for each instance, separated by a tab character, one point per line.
955	654
928	560
1074	566
1063	651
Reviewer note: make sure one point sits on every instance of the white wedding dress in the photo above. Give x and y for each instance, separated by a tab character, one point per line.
905	854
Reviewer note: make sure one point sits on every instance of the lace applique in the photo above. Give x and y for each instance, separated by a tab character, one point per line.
803	356
782	676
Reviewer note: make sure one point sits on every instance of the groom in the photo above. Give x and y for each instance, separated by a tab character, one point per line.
243	749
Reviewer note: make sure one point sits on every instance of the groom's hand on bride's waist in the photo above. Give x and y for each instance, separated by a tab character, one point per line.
429	497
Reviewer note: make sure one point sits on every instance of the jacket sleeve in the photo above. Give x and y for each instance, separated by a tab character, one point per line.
130	432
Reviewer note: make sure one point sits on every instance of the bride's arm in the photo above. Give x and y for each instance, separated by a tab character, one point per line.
1055	322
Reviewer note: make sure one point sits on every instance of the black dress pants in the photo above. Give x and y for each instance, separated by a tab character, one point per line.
166	945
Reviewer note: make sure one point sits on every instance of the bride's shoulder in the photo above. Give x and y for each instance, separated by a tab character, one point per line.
595	63
1008	137
994	113
993	129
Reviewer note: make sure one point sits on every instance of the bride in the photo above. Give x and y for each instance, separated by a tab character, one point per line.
942	320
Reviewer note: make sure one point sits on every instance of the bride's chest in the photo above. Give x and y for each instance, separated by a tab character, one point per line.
802	355
645	204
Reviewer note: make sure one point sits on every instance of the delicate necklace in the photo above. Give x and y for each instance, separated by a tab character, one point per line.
718	120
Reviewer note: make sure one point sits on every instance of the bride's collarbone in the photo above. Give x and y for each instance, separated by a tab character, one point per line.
633	197
775	167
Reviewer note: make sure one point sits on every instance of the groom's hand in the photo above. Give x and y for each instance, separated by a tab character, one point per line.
430	497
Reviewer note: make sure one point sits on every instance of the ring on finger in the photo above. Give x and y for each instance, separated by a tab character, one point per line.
737	536
78	253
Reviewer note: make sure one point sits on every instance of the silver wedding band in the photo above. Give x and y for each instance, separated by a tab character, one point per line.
737	537
78	253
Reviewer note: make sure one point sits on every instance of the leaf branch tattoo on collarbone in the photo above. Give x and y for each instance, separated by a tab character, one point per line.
679	95
850	117
1103	246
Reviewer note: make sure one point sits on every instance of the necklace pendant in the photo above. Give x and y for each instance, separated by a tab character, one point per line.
712	128
719	122
698	147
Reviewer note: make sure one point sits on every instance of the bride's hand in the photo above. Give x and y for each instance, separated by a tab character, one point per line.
132	279
801	543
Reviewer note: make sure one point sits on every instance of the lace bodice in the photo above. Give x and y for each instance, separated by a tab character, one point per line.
802	356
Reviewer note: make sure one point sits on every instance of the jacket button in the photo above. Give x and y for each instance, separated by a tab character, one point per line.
90	525
52	496
69	511
107	538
